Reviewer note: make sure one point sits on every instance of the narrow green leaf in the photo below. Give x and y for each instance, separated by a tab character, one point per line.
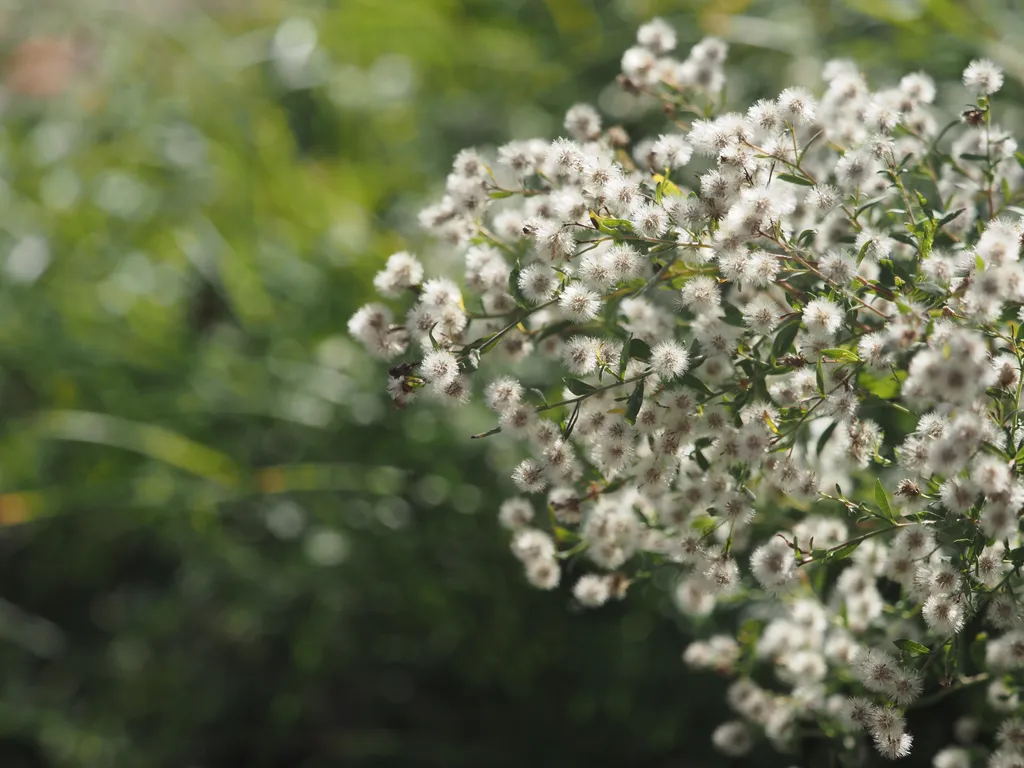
841	355
635	401
911	646
819	376
513	286
795	179
624	356
882	500
843	552
784	337
553	330
701	460
905	239
564	534
148	440
825	436
972	156
578	387
922	201
500	193
932	289
806	236
867	205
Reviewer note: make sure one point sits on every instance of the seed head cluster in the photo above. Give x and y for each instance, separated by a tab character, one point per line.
776	352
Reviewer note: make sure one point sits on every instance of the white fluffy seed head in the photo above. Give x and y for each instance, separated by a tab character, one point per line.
701	294
579	302
592	590
440	367
823	318
669	359
983	76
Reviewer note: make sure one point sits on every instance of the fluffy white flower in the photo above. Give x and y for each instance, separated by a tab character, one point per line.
657	36
773	565
796	106
822	317
701	294
579	302
440	367
732	738
669	359
983	76
592	590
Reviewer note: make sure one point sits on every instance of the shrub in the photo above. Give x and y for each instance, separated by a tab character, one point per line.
789	344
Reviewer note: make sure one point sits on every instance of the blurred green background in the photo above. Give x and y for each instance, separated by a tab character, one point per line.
219	545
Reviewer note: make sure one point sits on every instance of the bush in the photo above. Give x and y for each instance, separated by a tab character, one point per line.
791	340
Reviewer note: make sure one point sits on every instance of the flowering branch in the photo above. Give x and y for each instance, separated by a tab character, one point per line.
728	332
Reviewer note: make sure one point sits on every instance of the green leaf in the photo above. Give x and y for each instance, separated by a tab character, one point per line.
905	239
843	552
513	286
867	205
613	227
1020	158
639	350
564	534
841	355
949	217
932	289
784	337
882	387
500	193
624	355
733	316
825	436
704	524
701	460
1016	556
806	236
921	199
553	330
972	156
148	440
578	387
691	381
635	401
795	179
882	500
819	376
911	646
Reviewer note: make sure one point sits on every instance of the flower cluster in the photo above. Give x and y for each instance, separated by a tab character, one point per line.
750	312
